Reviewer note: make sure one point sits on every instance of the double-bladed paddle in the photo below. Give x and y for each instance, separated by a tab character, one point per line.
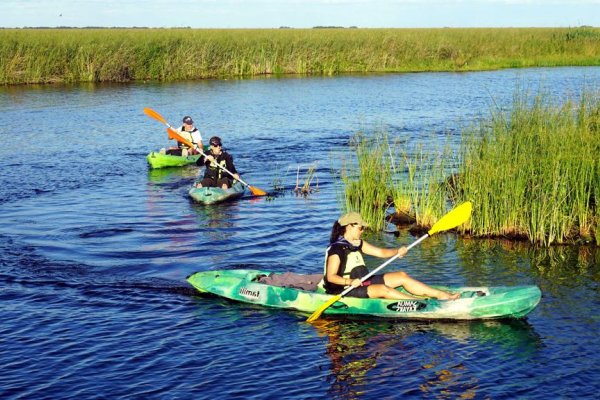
454	218
174	135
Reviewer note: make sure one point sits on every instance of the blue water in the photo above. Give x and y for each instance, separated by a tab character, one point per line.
95	248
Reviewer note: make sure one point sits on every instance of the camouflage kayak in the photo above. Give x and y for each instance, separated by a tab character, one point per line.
474	303
211	195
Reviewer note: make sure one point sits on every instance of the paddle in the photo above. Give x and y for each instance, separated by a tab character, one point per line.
451	220
174	135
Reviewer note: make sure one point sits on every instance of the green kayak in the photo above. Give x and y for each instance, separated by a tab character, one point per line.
211	195
474	303
158	160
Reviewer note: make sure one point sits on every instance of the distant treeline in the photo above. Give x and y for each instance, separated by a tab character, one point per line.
140	54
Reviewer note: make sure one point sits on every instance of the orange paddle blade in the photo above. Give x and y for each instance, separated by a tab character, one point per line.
174	135
153	114
256	191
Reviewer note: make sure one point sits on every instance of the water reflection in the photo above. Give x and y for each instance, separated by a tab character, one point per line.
161	176
217	221
571	266
429	356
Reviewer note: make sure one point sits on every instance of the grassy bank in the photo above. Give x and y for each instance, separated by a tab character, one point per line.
532	173
123	55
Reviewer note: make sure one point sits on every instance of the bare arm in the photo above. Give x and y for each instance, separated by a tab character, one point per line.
382	253
333	266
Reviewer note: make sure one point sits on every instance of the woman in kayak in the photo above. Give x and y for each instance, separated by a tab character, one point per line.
213	175
189	132
344	266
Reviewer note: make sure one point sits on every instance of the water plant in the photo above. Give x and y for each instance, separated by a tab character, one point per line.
422	191
367	179
404	179
532	172
306	188
125	55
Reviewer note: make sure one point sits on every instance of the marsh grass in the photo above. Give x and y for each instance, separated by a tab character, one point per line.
532	172
124	55
409	178
423	191
278	178
309	179
367	178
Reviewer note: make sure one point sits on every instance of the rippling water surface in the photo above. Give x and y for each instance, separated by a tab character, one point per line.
95	249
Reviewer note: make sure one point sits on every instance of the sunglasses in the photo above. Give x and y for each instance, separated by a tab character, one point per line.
360	227
215	145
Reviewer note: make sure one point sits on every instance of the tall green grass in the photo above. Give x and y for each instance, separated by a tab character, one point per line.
422	191
385	174
123	55
533	172
367	179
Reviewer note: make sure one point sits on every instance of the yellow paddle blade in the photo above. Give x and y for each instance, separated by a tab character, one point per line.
454	218
324	307
153	114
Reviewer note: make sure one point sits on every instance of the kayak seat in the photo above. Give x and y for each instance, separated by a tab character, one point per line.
291	280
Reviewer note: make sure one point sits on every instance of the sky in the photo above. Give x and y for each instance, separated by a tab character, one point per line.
299	13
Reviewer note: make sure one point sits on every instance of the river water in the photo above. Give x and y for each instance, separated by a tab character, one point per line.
95	248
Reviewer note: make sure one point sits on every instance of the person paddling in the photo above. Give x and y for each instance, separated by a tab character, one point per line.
189	132
213	175
344	266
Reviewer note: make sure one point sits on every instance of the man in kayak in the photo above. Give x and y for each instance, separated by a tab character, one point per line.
344	266
213	175
189	132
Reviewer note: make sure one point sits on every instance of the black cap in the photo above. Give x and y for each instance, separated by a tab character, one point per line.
188	120
215	141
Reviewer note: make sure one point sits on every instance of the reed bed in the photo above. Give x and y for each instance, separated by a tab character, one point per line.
405	180
532	173
125	55
367	179
422	193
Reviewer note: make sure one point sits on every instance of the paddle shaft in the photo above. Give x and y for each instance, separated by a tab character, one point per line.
385	264
178	137
451	220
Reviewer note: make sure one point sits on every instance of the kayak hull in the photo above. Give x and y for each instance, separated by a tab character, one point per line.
211	195
475	302
158	160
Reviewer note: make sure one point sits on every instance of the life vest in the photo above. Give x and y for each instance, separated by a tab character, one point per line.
186	135
352	264
216	171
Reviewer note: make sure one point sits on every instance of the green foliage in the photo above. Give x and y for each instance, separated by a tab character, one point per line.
123	55
367	179
410	178
533	172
